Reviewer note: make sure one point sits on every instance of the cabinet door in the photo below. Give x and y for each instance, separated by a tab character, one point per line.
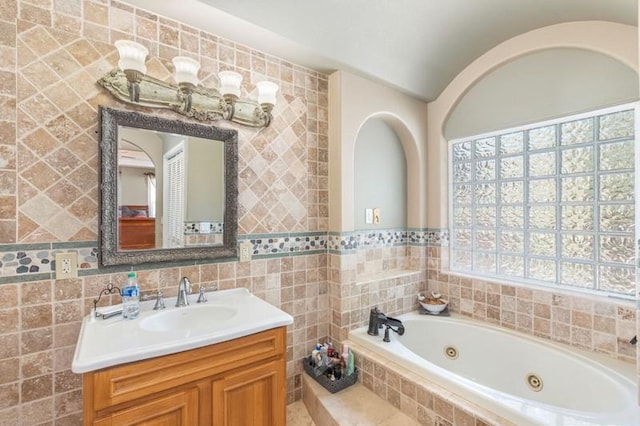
177	409
251	396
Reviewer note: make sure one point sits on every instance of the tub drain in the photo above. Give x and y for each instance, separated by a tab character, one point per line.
534	382
451	352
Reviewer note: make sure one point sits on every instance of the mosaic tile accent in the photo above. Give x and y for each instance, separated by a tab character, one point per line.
203	228
428	237
32	259
387	238
26	260
272	245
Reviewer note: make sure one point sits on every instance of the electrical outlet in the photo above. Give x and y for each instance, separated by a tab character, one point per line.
246	248
66	265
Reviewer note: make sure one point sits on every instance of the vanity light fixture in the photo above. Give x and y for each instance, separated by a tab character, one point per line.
130	83
132	62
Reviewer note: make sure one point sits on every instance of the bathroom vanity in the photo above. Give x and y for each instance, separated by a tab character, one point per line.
227	371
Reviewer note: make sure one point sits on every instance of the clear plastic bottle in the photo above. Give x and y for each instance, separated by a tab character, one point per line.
131	297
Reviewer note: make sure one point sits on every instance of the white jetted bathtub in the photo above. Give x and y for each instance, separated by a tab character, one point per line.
526	380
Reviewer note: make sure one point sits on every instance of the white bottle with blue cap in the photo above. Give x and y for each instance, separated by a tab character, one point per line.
131	298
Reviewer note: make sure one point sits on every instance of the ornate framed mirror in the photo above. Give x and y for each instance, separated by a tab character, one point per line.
168	189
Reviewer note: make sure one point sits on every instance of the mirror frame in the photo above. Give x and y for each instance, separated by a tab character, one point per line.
110	120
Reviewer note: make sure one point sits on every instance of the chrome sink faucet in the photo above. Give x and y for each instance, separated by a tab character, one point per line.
184	290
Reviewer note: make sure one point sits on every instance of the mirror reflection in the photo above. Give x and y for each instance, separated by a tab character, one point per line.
170	190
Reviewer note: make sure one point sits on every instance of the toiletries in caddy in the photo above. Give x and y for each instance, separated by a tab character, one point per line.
326	360
131	297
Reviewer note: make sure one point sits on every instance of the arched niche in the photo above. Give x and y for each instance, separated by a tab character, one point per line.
352	102
380	176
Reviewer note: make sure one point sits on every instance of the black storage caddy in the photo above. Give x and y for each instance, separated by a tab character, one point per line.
332	386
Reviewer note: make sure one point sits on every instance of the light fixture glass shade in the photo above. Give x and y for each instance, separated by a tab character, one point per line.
230	83
267	92
186	70
132	55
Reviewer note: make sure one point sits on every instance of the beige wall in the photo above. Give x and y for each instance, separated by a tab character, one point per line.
353	100
51	54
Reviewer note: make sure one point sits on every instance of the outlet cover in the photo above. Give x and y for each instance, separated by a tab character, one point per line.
245	250
66	265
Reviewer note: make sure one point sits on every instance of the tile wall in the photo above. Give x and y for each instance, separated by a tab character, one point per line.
51	54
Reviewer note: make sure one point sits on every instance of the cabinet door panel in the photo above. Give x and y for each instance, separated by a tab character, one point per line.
127	382
179	409
254	396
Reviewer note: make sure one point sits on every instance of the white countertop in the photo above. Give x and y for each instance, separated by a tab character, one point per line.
104	343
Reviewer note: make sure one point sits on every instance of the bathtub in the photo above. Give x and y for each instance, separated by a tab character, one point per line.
523	379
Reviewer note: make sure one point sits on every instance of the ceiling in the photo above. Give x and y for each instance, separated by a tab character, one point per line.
416	46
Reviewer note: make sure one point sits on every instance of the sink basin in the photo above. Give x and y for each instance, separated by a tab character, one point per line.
188	318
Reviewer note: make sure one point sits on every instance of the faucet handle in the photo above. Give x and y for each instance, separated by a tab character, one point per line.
202	297
159	302
187	284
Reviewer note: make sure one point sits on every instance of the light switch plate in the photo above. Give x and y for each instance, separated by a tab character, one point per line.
376	216
368	216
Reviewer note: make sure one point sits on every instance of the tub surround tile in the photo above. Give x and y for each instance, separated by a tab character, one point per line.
354	405
423	401
587	322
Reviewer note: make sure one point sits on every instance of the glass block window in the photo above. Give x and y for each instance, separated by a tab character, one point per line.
551	203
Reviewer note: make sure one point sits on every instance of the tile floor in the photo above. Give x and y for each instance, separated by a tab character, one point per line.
297	415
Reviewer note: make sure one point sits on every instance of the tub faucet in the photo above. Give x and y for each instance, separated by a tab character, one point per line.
184	289
377	320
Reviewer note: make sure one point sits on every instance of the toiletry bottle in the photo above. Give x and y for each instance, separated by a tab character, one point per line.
345	354
315	355
321	366
351	366
131	298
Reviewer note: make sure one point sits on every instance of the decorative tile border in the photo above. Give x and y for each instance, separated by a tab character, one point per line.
34	260
203	228
366	239
286	244
27	262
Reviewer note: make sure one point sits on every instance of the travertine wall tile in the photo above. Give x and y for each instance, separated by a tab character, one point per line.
50	58
586	322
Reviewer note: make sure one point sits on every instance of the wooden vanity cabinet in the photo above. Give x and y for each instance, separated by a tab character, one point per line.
239	382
